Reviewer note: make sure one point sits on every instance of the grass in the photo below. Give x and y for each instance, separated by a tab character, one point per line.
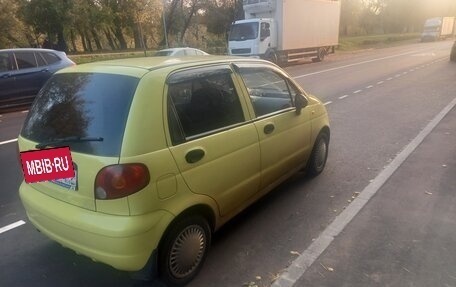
345	44
375	41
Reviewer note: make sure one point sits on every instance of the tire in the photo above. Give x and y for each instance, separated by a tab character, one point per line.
184	250
271	56
321	53
317	161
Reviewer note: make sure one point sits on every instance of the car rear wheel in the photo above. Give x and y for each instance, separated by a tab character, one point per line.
184	250
319	155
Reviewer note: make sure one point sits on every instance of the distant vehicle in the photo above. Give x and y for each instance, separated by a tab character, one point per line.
438	28
453	53
24	71
179	52
286	31
164	153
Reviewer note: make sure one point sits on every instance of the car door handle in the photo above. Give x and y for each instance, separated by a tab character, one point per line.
195	155
269	128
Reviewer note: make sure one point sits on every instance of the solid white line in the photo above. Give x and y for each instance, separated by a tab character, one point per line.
354	64
8	141
343	97
379	83
11	226
369	87
357	91
297	268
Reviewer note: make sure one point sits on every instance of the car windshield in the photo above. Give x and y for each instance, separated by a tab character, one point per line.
163	53
244	31
82	105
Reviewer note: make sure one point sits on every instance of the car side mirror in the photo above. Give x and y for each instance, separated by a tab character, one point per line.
300	103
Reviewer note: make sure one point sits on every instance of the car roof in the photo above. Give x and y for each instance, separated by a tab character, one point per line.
139	66
177	49
30	50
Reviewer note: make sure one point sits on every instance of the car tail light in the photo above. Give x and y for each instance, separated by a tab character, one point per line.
120	180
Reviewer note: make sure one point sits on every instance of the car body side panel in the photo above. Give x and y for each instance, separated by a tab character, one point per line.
287	147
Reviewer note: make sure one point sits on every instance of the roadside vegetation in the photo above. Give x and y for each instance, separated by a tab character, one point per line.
345	44
89	29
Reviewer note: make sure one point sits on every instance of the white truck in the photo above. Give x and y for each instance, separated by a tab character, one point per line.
438	28
285	31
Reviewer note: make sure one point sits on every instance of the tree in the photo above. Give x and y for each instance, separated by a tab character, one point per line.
48	17
12	30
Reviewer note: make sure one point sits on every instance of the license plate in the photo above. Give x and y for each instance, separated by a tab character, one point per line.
70	183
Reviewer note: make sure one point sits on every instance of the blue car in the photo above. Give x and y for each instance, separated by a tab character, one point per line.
24	71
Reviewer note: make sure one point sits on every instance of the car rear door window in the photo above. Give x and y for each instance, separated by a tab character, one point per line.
25	60
202	101
40	59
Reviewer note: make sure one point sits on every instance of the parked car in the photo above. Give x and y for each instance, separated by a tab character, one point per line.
165	153
453	52
24	71
179	52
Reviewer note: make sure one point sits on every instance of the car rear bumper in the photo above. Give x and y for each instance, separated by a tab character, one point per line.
124	242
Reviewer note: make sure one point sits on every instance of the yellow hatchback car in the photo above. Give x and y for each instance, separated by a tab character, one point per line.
165	152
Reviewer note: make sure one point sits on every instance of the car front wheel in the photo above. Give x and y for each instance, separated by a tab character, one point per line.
319	155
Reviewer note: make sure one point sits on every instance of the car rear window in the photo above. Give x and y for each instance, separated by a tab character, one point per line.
82	105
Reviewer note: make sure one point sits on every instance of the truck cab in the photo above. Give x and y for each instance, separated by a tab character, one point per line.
253	37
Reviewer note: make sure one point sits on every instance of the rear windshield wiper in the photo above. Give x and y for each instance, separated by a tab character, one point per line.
71	139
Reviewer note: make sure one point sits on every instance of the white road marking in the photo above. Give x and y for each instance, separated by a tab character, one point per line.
343	97
404	73
12	226
389	79
297	268
379	83
354	64
8	141
357	91
369	87
412	70
397	76
327	103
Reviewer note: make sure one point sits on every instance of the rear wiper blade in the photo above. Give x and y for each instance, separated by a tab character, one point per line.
71	139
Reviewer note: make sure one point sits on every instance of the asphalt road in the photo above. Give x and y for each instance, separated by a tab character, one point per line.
378	101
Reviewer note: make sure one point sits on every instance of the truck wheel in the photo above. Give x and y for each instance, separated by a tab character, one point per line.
321	53
184	250
271	56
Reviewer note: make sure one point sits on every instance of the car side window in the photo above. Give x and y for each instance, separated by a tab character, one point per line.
25	60
202	101
269	92
50	58
5	62
40	59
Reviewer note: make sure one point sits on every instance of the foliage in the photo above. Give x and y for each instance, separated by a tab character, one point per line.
100	25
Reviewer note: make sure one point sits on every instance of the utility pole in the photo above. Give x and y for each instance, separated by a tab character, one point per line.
164	24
